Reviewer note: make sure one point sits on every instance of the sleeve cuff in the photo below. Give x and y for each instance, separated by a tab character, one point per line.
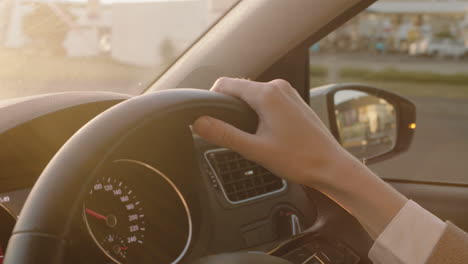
409	238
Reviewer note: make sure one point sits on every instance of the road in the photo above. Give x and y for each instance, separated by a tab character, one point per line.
396	61
440	146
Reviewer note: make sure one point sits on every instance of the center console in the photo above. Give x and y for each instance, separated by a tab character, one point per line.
314	248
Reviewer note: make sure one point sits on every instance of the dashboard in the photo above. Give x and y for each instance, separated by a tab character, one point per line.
138	211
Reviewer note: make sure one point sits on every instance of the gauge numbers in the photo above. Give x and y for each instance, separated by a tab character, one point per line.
137	214
115	218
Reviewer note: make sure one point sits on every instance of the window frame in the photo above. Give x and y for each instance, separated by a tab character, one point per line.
294	66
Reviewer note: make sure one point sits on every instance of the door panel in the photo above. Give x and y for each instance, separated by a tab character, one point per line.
448	202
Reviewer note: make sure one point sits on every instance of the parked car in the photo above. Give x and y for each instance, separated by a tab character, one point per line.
440	47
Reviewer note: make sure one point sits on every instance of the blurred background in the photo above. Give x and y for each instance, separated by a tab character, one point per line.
427	40
110	45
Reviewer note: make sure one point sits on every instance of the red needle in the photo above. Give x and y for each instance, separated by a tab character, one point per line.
92	213
123	248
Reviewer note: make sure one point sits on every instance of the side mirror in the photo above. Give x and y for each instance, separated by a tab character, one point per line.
372	124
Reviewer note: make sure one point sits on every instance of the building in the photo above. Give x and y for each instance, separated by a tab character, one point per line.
139	32
393	25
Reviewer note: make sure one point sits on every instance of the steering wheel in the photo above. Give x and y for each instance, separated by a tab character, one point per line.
40	235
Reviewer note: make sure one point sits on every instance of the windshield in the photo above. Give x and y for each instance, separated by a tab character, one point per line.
100	45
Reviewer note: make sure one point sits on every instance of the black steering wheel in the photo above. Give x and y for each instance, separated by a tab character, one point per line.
40	235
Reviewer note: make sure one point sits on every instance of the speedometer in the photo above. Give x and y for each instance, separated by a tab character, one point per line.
136	214
115	217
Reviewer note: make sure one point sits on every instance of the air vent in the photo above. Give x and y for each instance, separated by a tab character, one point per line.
242	180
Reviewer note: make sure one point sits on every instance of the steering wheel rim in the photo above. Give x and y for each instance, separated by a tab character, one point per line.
40	235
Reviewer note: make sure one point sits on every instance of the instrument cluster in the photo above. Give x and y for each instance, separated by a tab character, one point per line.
133	212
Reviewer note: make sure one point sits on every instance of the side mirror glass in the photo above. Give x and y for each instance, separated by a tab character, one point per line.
366	124
371	123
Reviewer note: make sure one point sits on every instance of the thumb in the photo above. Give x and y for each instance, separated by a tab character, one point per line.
223	134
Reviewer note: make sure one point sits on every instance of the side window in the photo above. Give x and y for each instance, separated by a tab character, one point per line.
420	51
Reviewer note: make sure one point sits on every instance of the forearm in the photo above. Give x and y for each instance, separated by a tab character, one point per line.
373	202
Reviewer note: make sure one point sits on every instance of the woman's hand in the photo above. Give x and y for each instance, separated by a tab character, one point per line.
291	140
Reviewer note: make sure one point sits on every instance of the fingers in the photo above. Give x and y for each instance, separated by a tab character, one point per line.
254	93
240	88
222	134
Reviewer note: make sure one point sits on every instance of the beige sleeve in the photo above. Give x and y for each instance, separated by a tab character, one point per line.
452	247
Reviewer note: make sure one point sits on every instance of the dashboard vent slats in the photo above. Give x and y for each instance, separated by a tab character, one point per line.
242	180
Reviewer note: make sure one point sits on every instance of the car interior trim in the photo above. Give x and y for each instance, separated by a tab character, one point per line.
6	209
422	182
17	111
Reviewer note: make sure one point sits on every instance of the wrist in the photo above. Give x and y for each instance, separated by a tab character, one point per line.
334	174
362	193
